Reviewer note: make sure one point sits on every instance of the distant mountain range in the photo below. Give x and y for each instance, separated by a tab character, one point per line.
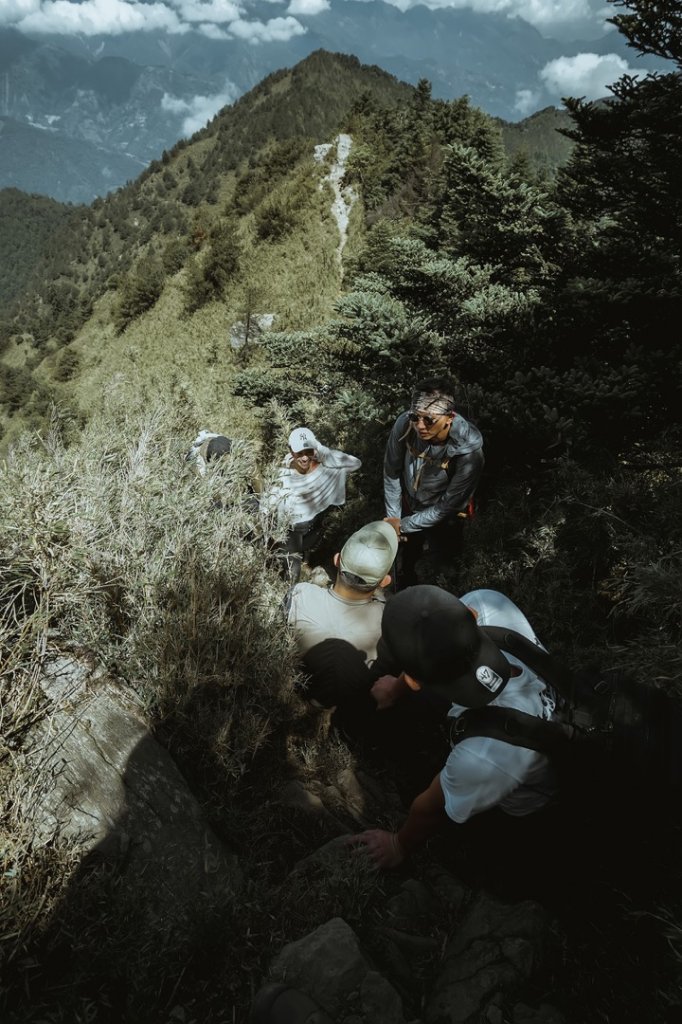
126	98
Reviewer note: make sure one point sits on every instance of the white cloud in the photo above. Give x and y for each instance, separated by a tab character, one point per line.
541	13
587	74
212	31
12	11
565	18
276	29
526	101
206	12
93	17
199	109
308	7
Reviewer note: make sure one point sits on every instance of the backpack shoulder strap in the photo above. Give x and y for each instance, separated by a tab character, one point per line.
515	727
553	671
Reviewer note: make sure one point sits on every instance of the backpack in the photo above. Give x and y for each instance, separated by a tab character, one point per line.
609	729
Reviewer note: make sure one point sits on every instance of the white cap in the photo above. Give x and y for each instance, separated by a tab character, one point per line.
370	552
301	438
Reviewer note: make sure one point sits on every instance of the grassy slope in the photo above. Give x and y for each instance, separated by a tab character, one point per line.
297	277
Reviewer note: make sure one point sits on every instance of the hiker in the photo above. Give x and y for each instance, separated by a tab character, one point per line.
337	628
312	480
432	464
209	454
438	642
207	448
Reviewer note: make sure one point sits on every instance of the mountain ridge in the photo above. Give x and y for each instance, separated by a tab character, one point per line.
136	92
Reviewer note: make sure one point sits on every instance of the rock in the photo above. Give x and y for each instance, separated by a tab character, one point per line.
241	331
380	1002
497	947
297	795
411	907
329	966
544	1014
99	779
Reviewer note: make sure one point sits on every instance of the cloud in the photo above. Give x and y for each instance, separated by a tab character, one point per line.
93	17
216	19
109	17
308	7
274	30
207	12
545	15
526	101
587	74
200	109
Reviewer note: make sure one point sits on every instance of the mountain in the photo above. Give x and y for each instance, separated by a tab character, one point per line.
137	93
50	162
539	137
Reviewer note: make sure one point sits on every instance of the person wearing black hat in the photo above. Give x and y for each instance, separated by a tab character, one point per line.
432	464
440	644
206	449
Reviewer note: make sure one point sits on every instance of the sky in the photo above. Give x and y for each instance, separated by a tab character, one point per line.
586	74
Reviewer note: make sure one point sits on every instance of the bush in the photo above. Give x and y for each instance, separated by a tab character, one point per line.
139	292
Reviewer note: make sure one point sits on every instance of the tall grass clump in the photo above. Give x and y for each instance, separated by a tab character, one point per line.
114	551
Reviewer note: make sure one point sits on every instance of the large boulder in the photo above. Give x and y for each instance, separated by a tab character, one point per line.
99	779
495	949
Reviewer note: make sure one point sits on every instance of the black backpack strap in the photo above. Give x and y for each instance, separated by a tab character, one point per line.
515	727
553	671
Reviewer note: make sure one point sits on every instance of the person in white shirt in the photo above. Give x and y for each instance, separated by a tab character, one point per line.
312	480
437	640
337	628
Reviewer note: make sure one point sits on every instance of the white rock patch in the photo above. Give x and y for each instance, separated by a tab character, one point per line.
344	197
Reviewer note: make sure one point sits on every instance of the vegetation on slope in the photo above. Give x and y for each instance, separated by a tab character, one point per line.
534	297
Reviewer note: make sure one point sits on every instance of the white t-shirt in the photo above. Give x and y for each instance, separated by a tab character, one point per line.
481	772
318	614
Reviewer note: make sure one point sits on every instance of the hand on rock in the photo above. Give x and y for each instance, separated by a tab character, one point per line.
382	847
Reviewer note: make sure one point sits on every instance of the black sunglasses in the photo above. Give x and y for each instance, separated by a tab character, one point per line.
428	421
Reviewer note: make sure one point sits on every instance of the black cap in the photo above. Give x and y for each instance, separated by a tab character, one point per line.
217	447
433	637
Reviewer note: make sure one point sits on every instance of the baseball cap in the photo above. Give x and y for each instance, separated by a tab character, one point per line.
435	639
370	552
217	447
301	438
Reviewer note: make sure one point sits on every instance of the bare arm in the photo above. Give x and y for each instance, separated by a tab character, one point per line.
426	815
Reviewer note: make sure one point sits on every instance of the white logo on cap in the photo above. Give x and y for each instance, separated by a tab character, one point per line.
489	678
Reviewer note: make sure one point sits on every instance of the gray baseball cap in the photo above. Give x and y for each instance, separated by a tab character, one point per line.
370	552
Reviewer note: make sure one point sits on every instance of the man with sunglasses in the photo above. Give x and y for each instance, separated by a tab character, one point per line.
432	464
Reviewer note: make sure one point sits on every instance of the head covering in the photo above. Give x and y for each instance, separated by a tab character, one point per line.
370	552
435	639
435	403
301	438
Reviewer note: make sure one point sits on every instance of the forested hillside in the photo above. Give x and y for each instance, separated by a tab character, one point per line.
554	302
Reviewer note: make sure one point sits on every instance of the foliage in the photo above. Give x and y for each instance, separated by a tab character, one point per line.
139	291
166	623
